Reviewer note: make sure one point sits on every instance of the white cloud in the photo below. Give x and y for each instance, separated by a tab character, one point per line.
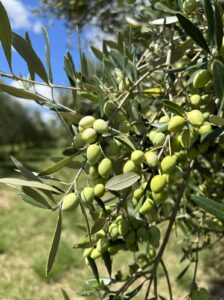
20	16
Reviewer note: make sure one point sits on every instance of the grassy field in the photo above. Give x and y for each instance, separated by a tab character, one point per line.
25	239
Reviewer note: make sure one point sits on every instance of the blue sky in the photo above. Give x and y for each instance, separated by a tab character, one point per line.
22	19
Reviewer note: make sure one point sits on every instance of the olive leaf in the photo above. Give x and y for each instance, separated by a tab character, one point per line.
122	181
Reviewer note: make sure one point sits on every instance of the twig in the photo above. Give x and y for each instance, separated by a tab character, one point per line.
167	279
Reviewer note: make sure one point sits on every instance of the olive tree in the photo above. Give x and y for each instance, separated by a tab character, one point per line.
149	156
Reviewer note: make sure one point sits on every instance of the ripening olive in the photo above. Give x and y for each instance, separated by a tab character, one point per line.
100	126
86	122
138	157
105	167
89	135
70	201
195	117
158	183
93	154
176	123
168	164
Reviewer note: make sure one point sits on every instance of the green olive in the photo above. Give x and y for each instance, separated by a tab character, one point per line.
99	190
147	206
100	126
138	193
113	231
109	108
105	167
176	123
89	135
155	235
195	117
188	137
87	195
168	164
70	202
195	99
201	78
123	226
138	157
158	183
93	154
86	122
95	254
158	139
78	142
130	166
151	159
102	245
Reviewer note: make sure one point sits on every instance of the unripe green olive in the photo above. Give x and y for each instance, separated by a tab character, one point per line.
195	117
155	235
132	247
189	6
95	254
158	139
89	135
141	258
70	201
151	159
176	144
201	78
102	245
130	238
123	227
93	154
87	195
86	122
80	129
134	201
100	234
78	141
99	190
125	127
100	126
109	108
159	197
164	119
113	231
87	252
138	193
205	129
143	234
93	172
188	137
176	123
158	183
138	157
112	148
147	206
151	253
151	134
105	167
130	166
200	294
195	99
168	164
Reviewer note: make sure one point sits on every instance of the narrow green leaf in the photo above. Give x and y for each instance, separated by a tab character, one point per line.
56	167
182	273
32	74
6	34
29	55
97	53
24	171
162	7
193	32
125	140
34	184
98	225
174	108
54	245
108	262
134	292
218	75
122	181
72	117
165	21
65	295
34	197
218	27
211	21
20	93
211	136
48	53
214	208
94	268
216	120
85	69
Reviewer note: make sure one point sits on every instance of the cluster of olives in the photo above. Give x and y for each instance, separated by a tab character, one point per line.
123	233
